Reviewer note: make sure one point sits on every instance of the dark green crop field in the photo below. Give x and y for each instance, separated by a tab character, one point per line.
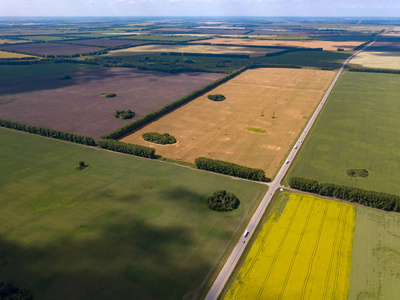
120	228
20	71
357	129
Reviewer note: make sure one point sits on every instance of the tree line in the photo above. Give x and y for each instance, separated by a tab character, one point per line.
47	132
227	168
373	199
127	148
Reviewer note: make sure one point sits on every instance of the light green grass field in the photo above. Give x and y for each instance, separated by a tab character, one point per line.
45	38
375	262
357	129
123	228
20	71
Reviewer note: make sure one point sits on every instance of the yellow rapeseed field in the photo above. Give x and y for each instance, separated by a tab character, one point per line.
305	253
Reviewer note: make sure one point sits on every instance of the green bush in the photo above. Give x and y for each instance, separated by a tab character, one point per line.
223	201
227	168
124	114
374	199
107	95
55	134
216	97
127	148
363	173
159	138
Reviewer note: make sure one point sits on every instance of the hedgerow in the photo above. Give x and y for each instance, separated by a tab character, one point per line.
374	199
43	131
227	168
127	148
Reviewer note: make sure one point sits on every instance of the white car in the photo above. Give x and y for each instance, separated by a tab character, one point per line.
287	161
295	147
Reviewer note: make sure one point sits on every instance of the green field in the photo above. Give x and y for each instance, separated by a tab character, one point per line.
45	37
375	262
20	71
122	228
357	129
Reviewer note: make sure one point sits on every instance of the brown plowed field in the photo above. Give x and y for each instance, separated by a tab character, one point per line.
51	48
219	129
75	106
326	45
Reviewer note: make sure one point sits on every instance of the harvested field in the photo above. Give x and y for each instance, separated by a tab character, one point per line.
218	130
11	41
375	261
123	226
108	42
75	106
302	252
4	54
253	52
358	128
379	60
51	48
326	45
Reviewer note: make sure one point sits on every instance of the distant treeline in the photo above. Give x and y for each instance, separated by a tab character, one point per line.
292	50
371	70
227	168
43	131
374	199
128	128
127	148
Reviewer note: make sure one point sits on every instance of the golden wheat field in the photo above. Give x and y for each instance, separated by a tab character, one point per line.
302	252
326	45
275	102
380	60
4	54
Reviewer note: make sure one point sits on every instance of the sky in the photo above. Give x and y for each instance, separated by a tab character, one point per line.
307	8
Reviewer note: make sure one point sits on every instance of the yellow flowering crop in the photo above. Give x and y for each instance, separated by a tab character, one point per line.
305	253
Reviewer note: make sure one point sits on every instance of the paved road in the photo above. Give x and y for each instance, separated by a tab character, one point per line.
230	264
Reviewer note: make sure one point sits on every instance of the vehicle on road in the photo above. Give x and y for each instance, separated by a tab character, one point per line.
287	161
246	233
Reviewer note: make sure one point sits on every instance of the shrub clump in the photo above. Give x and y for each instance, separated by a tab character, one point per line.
66	77
159	138
363	173
124	114
223	201
216	97
107	95
81	165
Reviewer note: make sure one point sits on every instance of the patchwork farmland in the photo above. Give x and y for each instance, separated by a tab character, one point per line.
123	226
278	101
252	52
107	42
326	45
357	129
74	105
302	252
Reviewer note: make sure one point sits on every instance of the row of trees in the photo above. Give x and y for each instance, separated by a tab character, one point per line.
127	148
371	70
11	292
227	168
374	199
120	132
43	131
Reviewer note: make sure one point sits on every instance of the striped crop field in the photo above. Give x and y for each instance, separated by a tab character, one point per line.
304	252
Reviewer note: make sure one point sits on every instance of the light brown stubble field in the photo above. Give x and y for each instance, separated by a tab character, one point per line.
326	45
4	54
218	130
